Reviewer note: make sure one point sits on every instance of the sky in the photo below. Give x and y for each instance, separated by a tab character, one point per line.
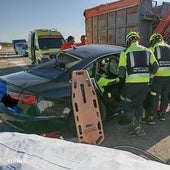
19	17
33	152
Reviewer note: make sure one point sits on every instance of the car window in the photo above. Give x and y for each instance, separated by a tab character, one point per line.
67	60
113	65
106	75
91	69
109	65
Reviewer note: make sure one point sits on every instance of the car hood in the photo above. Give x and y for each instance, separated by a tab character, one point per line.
23	79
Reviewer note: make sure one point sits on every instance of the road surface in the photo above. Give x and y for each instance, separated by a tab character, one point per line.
157	138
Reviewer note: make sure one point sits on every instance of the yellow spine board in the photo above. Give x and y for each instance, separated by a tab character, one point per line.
86	109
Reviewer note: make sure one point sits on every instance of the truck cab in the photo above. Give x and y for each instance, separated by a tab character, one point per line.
43	44
20	47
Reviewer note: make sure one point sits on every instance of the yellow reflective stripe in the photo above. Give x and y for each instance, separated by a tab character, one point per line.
121	97
163	71
132	61
148	57
142	77
153	93
128	100
152	76
122	60
158	52
125	99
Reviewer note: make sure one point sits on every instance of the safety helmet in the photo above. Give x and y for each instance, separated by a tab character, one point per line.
101	63
131	35
155	36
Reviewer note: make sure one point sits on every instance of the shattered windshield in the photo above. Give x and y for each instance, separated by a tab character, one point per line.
55	67
67	60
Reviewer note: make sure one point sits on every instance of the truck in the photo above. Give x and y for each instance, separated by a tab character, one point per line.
20	47
43	44
109	23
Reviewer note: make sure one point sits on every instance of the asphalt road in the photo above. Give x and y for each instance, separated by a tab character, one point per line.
13	63
157	138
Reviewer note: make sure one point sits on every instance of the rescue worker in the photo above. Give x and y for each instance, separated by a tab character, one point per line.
104	81
161	81
135	64
69	44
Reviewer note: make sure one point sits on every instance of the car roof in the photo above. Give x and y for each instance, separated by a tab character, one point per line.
94	50
86	54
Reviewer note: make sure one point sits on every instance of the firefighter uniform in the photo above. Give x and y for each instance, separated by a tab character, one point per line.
161	81
137	63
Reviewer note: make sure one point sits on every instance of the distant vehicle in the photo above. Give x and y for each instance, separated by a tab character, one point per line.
43	44
40	98
20	47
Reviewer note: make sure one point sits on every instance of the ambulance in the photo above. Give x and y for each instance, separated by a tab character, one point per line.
43	44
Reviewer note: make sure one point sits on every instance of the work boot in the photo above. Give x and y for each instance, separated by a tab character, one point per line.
137	131
131	126
150	120
161	116
143	120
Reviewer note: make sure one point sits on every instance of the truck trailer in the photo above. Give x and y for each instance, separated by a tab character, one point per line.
43	44
109	23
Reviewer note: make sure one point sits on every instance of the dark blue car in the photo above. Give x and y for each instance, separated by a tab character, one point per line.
40	98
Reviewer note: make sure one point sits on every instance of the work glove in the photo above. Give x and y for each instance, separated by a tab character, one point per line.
117	80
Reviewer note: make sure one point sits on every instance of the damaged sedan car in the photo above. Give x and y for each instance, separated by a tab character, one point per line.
40	98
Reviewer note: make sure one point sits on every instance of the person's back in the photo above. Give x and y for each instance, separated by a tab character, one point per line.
161	51
161	80
69	44
135	64
135	61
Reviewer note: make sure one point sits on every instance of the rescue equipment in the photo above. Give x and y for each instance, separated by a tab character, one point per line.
86	109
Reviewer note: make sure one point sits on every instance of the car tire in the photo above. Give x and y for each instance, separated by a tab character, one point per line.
72	125
71	120
103	110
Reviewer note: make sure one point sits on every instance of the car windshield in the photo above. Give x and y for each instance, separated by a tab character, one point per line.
20	46
53	42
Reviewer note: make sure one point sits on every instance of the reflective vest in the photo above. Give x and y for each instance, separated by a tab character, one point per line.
162	54
137	60
103	81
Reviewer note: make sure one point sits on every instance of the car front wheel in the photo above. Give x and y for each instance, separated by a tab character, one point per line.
103	110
